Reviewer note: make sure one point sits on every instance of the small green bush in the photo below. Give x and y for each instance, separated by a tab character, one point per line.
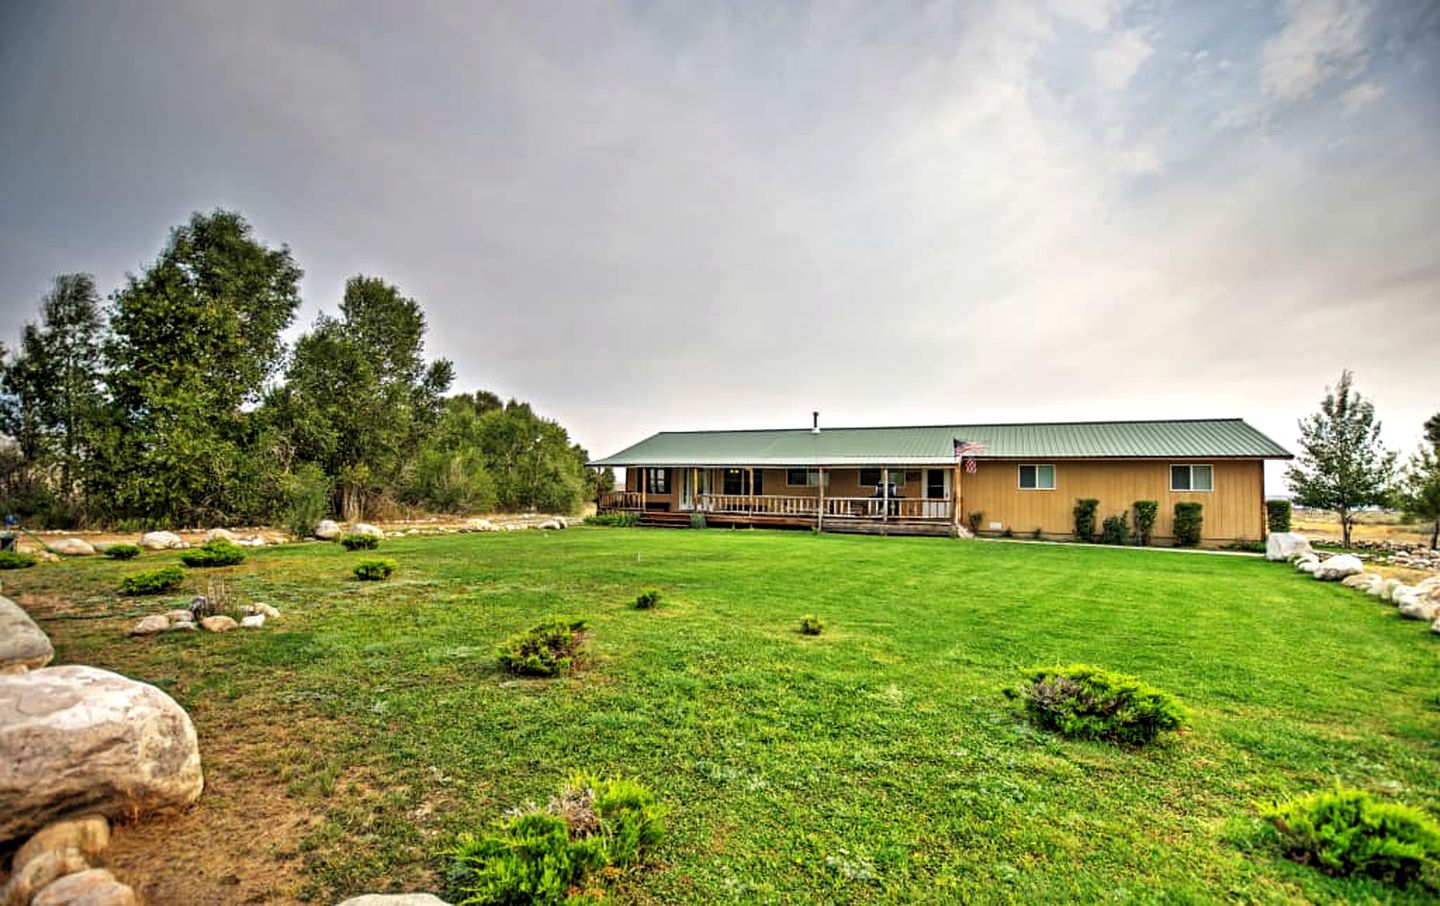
1249	547
1115	529
1085	702
811	624
1349	832
1146	512
153	582
545	649
357	542
1277	515
615	520
697	520
647	599
542	855
975	519
1085	518
218	552
375	570
16	560
1189	517
122	551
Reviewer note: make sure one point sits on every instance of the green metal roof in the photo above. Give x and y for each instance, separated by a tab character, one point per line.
934	444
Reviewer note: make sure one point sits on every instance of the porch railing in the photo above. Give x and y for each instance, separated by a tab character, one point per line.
834	507
619	500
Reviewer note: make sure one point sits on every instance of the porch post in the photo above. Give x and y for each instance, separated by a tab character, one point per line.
694	489
885	493
750	487
955	501
644	476
820	510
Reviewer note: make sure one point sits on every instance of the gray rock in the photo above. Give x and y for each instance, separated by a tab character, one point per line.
327	530
160	541
394	899
218	623
150	625
88	835
182	626
1421	608
93	887
265	610
224	534
23	645
1281	546
73	547
365	528
179	616
77	741
43	869
1307	566
254	621
1338	567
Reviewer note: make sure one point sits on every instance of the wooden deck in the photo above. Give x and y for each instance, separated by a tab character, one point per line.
863	515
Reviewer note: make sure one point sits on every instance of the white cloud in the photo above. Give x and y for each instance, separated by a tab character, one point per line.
1321	40
1361	96
1122	55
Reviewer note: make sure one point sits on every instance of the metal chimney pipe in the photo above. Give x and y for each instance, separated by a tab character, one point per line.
815	422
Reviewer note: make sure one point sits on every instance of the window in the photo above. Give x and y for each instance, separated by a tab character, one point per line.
870	477
1037	478
935	484
1192	478
657	481
734	481
803	478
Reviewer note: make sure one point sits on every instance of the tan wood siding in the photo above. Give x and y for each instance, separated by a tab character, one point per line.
1234	510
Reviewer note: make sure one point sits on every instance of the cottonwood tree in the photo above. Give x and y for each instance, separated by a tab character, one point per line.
51	390
359	397
197	336
1418	491
1432	430
1342	465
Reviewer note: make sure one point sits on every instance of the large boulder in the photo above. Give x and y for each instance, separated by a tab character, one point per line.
150	625
222	534
73	547
1282	546
23	645
93	887
79	740
160	541
394	899
1307	566
218	623
1421	608
1338	567
327	530
365	528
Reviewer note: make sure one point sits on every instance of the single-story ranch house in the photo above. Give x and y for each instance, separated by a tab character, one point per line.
1023	478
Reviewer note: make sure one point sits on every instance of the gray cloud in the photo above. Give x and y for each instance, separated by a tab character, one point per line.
667	216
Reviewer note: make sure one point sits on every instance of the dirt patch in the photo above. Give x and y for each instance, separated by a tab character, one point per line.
240	843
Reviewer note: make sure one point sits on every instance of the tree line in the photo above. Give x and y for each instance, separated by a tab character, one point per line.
1343	465
177	401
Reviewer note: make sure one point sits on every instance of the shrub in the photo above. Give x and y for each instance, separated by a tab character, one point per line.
1277	515
1349	832
214	553
1085	518
122	551
1189	517
1249	547
1085	702
1145	513
357	542
153	582
1116	529
811	624
544	649
647	599
616	520
375	570
16	560
697	520
306	498
542	855
975	519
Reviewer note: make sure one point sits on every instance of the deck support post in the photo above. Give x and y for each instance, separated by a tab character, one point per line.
885	493
750	487
644	476
955	501
820	509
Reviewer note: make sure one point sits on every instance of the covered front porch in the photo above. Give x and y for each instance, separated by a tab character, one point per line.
877	498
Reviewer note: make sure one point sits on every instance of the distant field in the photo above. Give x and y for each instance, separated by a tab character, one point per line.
1371	526
878	763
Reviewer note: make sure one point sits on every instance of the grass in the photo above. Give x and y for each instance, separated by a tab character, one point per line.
876	763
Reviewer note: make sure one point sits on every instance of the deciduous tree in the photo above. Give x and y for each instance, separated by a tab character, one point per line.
1342	465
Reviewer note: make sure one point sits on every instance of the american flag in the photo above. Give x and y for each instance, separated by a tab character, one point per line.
968	446
970	466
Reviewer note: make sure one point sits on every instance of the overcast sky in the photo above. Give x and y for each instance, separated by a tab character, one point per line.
646	216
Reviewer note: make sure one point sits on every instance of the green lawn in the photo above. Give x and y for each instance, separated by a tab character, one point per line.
878	762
